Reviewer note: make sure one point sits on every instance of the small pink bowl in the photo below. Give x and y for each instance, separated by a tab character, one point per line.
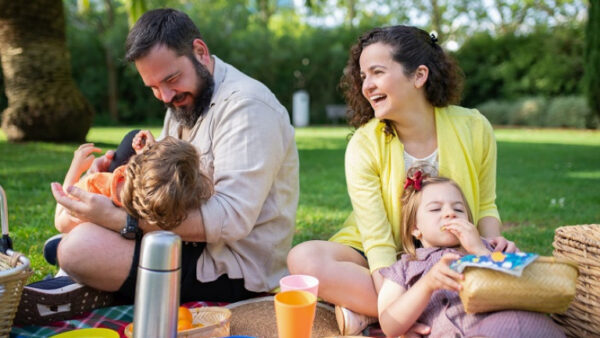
300	282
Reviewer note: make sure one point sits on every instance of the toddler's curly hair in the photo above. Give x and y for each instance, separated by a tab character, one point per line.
164	182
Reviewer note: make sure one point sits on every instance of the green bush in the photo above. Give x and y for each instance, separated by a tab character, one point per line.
591	79
568	111
561	111
497	111
288	55
529	111
546	62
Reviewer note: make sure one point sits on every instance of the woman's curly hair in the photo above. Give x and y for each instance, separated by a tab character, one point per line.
412	47
164	182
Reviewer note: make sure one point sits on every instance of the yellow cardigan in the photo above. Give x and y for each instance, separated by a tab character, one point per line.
375	177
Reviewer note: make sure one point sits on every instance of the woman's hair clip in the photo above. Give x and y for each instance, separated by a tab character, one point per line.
433	36
416	181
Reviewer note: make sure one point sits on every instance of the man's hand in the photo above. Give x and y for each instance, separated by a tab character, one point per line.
89	207
102	163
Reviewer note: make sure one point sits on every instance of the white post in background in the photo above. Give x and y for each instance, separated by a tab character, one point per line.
300	112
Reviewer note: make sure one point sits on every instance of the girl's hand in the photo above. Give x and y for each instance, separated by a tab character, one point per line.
142	140
467	234
442	277
83	157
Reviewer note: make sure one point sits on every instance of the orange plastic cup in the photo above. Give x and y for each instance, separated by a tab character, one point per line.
295	312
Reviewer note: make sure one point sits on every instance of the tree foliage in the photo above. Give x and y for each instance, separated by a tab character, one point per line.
546	62
525	51
592	59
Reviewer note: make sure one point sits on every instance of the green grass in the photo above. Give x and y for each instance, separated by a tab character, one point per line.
535	168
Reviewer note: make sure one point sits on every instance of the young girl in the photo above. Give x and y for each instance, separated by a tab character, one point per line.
420	287
159	184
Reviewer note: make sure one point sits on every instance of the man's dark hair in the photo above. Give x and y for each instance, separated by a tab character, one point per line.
164	26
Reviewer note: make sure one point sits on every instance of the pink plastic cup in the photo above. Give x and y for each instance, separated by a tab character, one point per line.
300	282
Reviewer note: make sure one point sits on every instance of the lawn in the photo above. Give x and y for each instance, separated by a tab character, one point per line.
546	179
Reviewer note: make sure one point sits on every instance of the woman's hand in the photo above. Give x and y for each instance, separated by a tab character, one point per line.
502	244
467	234
489	227
442	277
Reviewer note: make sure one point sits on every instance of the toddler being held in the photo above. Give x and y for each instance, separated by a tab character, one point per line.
159	184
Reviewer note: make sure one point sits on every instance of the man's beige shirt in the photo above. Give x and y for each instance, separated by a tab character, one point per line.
246	145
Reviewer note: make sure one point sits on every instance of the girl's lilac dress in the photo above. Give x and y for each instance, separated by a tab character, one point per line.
446	315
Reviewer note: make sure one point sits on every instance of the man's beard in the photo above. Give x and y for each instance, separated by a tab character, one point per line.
188	116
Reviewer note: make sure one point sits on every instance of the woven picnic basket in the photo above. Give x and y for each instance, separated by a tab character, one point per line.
14	271
581	243
546	285
215	322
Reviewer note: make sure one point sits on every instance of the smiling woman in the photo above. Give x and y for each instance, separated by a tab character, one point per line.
399	85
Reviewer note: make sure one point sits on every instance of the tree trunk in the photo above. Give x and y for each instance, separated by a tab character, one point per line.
111	76
43	101
436	20
111	69
351	7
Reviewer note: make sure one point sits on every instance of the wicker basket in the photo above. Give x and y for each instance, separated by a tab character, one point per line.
215	323
14	271
546	285
581	243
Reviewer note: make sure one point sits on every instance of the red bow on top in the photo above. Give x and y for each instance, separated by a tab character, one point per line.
415	181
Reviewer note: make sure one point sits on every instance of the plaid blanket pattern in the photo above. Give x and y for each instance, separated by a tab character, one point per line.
113	317
117	318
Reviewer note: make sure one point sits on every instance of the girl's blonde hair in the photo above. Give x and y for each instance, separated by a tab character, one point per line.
164	182
411	200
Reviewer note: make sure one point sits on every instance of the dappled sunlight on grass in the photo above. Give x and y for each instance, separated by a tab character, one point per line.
114	135
585	175
322	138
551	136
546	179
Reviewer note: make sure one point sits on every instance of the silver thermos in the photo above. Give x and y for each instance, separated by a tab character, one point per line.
157	286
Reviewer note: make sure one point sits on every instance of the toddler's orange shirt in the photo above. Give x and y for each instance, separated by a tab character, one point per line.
104	183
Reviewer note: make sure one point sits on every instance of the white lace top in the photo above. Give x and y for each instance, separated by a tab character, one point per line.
431	159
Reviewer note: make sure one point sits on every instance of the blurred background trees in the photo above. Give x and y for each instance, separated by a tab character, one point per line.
592	62
523	59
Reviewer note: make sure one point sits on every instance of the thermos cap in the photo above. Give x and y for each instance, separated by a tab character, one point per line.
161	250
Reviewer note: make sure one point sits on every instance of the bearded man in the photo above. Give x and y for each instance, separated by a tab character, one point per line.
236	244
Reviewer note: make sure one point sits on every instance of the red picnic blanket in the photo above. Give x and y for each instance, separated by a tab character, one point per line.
112	317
